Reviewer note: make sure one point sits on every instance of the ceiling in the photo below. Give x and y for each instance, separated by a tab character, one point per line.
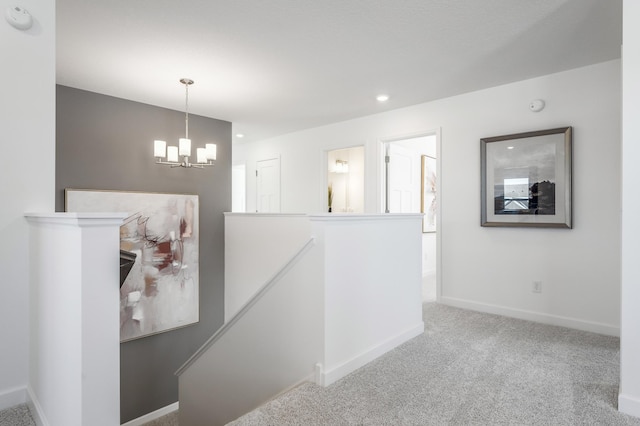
277	66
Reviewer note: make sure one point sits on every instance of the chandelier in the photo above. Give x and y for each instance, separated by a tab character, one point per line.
179	156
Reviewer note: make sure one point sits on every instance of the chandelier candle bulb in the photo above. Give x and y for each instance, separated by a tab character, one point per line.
159	149
185	147
172	154
211	150
201	155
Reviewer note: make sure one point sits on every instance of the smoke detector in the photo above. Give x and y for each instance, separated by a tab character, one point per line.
19	18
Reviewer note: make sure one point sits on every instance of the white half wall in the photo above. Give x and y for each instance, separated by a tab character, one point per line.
342	298
27	119
629	398
480	267
372	287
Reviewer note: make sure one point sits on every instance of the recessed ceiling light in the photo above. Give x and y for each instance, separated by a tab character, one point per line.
382	98
509	147
239	135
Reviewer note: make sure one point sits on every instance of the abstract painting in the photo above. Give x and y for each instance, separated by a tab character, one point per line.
526	179
159	257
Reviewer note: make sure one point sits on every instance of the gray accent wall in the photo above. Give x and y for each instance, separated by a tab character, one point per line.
104	142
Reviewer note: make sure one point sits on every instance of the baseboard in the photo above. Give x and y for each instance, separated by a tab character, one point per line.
153	415
333	374
11	397
26	395
36	408
629	405
593	327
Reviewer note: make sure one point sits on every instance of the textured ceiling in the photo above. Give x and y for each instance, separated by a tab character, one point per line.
276	66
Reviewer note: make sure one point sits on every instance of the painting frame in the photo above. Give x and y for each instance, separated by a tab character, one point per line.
160	240
428	193
526	179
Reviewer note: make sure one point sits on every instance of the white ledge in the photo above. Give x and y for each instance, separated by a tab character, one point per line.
250	214
361	217
333	216
77	219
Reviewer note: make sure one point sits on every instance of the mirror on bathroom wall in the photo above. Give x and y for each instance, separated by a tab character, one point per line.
345	180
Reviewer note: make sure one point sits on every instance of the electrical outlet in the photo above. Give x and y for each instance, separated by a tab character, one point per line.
537	287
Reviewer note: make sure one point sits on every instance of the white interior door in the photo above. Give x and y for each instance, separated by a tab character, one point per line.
268	186
404	180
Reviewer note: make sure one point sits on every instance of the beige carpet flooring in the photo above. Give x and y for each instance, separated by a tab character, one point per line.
468	368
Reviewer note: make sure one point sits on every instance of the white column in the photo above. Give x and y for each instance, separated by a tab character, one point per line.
629	397
74	366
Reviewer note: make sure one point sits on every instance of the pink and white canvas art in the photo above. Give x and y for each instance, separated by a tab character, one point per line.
429	193
159	291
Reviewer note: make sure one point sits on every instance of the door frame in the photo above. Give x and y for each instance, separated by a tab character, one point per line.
381	194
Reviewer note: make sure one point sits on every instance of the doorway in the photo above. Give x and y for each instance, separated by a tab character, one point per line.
410	187
345	180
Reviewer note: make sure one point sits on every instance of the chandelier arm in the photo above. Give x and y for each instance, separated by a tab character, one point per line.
167	163
184	164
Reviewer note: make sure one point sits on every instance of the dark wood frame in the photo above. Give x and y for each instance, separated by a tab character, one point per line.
562	198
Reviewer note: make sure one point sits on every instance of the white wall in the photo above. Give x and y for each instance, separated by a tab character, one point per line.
268	241
238	188
267	349
629	399
27	120
371	289
492	269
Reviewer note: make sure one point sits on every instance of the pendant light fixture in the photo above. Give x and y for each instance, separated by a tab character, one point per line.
179	156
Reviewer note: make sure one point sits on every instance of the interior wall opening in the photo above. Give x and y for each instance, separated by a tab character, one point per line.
345	180
410	187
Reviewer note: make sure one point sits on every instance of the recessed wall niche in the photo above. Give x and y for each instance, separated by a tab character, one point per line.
345	180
